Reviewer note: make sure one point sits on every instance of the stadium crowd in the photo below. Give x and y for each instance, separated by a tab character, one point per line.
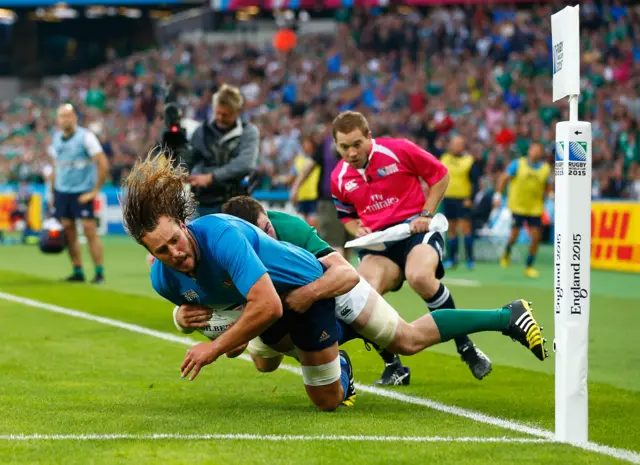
483	73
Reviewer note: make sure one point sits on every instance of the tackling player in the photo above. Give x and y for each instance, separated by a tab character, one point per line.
219	259
362	308
377	185
530	180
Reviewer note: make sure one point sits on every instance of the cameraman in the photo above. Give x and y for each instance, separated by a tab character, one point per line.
222	153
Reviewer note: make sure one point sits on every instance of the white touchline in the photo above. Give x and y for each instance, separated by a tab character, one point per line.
266	437
622	454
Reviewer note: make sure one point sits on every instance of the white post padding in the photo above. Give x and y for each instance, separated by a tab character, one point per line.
572	278
572	241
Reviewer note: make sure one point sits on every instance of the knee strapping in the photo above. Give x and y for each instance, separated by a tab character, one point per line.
382	324
321	375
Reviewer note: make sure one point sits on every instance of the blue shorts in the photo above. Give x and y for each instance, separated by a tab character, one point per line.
311	331
66	206
455	210
399	251
532	221
308	207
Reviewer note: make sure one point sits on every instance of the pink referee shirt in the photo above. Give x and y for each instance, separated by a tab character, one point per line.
387	191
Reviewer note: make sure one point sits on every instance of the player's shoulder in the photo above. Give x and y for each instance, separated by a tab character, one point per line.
161	276
285	220
395	148
397	143
341	169
251	130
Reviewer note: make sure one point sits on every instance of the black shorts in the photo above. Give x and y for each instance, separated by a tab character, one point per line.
66	206
455	210
307	207
399	251
311	331
532	221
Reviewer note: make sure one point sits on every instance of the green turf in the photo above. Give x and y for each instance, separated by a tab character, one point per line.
103	380
65	375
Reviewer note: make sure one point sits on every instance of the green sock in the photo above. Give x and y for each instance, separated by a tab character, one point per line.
99	269
455	323
77	271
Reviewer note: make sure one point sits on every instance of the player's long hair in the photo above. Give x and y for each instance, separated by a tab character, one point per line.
154	188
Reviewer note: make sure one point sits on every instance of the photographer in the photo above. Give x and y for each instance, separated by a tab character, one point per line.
222	153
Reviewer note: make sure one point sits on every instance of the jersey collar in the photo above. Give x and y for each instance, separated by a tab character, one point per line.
372	149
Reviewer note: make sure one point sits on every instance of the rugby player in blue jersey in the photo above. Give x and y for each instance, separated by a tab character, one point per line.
222	260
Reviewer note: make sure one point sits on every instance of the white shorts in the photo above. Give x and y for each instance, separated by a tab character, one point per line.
350	305
260	349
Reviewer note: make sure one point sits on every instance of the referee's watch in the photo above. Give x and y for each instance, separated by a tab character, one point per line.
426	214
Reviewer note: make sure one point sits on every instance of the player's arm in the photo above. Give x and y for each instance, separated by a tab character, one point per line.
338	279
505	177
436	193
52	176
94	148
475	173
550	187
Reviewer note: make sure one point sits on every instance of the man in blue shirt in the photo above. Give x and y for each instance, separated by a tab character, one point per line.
220	260
80	170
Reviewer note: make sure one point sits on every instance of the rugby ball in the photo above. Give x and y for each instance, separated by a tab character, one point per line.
224	316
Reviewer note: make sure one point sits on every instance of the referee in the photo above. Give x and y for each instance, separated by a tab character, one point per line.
80	170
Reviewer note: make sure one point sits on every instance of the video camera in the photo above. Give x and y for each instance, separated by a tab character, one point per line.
174	136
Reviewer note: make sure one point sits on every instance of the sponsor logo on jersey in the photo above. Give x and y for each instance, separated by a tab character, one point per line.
227	283
351	185
378	202
324	336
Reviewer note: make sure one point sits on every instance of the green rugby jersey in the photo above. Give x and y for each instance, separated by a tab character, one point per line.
292	229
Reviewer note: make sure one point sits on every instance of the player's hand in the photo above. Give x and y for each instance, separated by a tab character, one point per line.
362	231
193	316
467	203
420	225
237	351
200	180
87	197
299	300
197	357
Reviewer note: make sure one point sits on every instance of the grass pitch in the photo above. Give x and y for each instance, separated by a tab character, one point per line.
98	393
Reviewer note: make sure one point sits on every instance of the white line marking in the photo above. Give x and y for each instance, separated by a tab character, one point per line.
265	437
461	282
622	454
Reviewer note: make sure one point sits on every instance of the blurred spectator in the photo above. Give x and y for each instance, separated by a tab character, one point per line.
480	71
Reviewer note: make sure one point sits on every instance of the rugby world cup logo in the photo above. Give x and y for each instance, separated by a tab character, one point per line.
577	157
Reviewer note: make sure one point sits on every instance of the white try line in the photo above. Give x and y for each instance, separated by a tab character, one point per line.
267	437
622	454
